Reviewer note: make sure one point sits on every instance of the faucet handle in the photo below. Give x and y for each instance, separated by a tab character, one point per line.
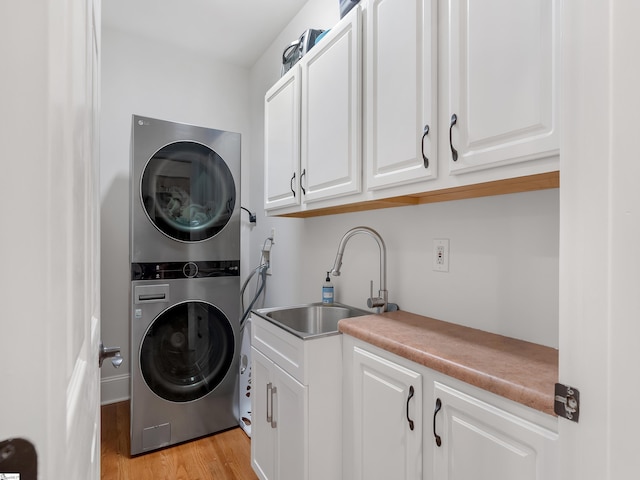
374	302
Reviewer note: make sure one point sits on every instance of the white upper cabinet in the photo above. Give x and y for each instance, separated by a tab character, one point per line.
331	122
400	85
423	97
503	77
282	142
313	123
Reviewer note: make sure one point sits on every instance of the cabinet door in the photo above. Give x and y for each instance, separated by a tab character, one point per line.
290	400
282	142
262	434
280	428
386	397
401	91
483	442
503	68
331	113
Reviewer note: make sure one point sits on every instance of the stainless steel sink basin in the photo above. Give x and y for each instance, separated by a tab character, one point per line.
311	320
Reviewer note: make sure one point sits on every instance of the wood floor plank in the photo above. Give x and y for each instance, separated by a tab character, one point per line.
109	441
222	456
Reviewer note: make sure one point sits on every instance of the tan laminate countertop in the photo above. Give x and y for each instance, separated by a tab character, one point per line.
521	371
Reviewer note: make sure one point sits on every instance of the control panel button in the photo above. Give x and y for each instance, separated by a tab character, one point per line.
190	269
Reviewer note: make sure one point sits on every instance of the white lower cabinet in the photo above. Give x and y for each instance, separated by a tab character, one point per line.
460	432
278	422
387	420
296	404
482	441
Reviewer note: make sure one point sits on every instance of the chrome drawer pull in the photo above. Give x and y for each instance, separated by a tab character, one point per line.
269	409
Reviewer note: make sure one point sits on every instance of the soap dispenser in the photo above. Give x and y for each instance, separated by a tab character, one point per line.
327	291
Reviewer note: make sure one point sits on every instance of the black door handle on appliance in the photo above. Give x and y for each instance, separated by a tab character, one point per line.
424	157
304	171
291	184
438	407
411	392
454	152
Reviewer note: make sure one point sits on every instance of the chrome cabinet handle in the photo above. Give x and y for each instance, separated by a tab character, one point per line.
304	172
424	157
454	152
269	408
411	392
438	408
274	424
291	184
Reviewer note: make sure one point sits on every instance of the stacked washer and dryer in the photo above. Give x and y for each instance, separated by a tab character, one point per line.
185	282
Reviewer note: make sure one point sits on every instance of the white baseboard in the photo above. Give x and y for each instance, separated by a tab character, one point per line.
115	389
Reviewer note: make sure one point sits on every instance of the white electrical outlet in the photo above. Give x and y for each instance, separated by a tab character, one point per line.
273	236
440	254
266	258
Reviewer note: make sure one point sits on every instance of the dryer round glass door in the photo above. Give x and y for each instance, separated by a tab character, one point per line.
187	191
187	351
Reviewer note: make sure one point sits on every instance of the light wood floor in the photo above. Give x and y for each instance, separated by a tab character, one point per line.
222	456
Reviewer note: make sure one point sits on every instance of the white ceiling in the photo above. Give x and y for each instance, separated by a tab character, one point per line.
235	31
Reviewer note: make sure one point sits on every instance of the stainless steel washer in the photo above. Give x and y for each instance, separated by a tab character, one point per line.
186	342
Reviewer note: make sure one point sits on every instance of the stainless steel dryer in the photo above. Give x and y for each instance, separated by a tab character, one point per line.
186	342
185	192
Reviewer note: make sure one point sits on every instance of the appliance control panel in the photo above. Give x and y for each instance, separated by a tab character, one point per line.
174	270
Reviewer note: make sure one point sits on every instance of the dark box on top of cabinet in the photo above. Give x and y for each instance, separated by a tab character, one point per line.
346	5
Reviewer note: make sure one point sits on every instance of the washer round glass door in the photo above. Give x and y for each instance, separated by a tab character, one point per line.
187	351
187	191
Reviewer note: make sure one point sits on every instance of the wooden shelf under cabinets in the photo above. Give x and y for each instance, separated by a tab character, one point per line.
528	183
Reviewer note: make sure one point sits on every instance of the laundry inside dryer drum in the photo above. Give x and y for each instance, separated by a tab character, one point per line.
188	191
187	351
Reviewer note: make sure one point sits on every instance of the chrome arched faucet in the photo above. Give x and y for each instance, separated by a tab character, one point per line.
381	301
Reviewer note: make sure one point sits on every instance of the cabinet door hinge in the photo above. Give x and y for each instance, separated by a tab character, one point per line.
567	402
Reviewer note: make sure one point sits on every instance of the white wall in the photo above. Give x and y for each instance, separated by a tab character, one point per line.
503	268
504	250
160	81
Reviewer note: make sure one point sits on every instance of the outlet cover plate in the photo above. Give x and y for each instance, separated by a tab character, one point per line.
440	254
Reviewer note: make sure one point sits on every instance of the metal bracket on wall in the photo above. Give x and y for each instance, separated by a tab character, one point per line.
567	402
